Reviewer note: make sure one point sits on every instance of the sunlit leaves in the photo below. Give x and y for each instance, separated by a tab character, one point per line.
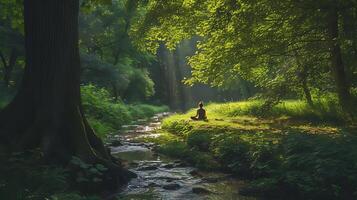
11	11
266	42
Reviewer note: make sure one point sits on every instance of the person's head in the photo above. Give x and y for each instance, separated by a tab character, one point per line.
200	104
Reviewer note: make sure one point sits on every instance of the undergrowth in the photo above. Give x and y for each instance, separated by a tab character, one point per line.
106	115
294	152
25	177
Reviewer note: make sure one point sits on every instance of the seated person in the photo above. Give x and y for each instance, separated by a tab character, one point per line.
201	113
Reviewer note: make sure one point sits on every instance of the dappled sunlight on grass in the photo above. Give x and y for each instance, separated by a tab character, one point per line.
242	116
290	146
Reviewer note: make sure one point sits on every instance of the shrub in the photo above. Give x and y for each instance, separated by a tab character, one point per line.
22	177
297	152
106	115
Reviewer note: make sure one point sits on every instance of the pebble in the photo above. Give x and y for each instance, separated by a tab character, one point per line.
152	184
194	172
168	166
116	143
181	165
171	186
147	168
200	190
210	180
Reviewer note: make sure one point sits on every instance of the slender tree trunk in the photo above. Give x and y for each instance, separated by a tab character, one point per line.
307	92
8	66
115	91
337	65
47	110
4	63
303	77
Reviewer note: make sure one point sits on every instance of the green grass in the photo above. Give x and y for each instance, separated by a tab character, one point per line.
292	151
106	115
103	113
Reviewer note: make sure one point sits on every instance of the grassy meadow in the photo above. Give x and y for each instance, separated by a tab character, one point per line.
296	150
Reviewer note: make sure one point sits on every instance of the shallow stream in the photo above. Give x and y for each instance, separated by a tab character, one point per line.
160	177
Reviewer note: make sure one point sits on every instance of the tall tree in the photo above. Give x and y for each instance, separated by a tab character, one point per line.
47	111
259	41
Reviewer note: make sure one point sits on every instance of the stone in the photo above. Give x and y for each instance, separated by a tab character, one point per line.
171	186
134	164
168	166
147	168
200	190
210	179
152	184
180	165
194	173
116	143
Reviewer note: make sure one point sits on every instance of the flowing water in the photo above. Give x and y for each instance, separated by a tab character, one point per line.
160	177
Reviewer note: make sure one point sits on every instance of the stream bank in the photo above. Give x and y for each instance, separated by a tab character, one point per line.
161	177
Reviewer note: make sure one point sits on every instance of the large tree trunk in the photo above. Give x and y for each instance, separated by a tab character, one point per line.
337	65
47	111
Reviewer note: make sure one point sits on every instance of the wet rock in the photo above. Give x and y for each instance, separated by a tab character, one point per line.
152	184
165	178
134	164
171	186
168	166
148	145
194	173
116	143
210	179
147	168
200	190
180	165
249	191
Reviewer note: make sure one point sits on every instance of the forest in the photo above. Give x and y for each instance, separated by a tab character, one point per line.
178	99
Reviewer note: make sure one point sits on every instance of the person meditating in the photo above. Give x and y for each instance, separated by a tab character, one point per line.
200	114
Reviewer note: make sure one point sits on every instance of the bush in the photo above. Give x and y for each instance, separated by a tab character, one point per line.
106	115
324	110
297	152
23	178
6	95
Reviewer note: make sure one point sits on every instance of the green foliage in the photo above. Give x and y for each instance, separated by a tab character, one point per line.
287	156
325	110
11	12
282	47
88	173
181	150
23	178
5	96
71	196
108	57
200	139
106	115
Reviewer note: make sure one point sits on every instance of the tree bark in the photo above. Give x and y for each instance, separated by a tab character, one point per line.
337	65
47	110
115	91
303	77
307	93
8	66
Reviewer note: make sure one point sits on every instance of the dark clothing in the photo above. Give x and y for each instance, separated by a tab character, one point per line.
200	115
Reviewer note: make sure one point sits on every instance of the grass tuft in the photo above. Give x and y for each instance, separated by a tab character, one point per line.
293	151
